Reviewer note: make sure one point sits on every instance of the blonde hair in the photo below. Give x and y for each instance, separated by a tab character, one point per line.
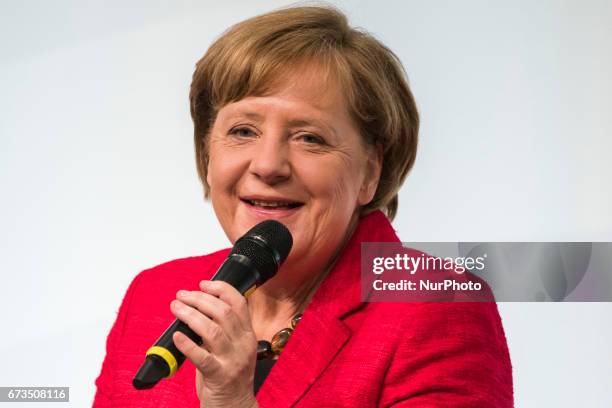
248	59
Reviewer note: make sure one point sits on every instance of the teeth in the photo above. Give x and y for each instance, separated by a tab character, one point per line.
270	203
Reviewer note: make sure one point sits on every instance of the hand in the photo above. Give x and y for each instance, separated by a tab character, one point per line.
226	360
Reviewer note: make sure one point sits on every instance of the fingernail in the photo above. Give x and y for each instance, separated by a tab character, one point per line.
181	293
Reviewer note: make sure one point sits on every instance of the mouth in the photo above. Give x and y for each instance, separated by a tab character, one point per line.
271	204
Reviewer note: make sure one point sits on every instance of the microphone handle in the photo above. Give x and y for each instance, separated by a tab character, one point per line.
163	358
235	270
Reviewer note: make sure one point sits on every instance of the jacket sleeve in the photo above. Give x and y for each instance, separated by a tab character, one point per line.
104	382
453	355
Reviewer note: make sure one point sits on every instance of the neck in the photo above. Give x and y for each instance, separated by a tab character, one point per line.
287	295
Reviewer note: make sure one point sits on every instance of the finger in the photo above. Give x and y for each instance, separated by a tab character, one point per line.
202	359
212	334
231	296
213	307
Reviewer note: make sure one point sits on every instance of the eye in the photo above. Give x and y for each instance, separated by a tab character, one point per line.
312	139
242	131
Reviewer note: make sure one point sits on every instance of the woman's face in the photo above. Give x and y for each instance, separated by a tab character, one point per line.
292	156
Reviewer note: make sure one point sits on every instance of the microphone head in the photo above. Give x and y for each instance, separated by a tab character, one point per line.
267	245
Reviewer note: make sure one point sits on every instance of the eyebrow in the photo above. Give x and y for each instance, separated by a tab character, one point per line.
250	115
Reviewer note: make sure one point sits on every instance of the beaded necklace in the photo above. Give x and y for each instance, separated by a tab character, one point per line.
271	349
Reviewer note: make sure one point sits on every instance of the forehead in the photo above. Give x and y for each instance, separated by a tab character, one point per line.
312	84
308	91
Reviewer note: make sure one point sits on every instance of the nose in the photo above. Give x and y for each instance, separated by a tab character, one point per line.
270	161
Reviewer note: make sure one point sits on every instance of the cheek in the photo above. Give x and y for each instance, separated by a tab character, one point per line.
224	169
333	181
223	175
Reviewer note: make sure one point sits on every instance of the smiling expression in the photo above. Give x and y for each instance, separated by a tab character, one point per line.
295	156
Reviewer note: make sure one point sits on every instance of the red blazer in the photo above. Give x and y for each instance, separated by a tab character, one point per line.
344	352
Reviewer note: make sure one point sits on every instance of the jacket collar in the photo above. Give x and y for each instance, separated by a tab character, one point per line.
321	333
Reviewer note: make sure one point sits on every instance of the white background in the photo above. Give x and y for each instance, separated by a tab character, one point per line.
98	178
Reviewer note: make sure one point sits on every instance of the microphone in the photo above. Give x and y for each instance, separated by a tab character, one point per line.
255	258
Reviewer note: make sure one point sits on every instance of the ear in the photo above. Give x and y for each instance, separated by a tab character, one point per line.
374	160
208	172
206	160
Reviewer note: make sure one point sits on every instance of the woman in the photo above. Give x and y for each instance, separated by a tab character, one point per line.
300	118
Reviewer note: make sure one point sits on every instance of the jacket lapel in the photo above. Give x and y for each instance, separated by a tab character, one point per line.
321	333
313	346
